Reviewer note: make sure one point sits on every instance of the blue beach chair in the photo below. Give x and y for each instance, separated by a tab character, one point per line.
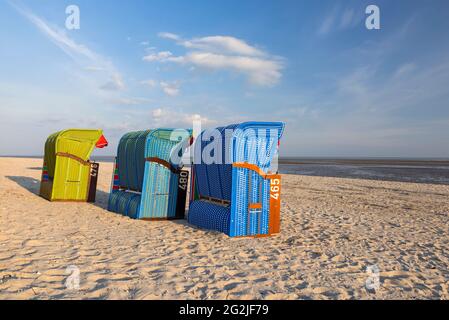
238	196
148	180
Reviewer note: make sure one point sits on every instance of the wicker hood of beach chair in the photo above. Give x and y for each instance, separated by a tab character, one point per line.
67	173
239	196
148	182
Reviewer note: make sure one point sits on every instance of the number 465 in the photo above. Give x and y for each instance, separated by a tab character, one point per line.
275	187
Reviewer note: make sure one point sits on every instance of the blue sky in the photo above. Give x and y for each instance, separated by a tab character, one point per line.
342	90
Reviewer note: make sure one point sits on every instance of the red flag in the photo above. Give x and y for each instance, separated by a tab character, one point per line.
102	142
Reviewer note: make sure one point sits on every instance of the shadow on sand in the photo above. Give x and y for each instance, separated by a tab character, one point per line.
101	199
35	168
30	184
33	186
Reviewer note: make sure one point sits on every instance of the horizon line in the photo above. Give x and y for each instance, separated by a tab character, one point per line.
406	158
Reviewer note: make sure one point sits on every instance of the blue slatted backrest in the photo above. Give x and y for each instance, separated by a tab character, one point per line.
214	180
256	143
131	159
160	144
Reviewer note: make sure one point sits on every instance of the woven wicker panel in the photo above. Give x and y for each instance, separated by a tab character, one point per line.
125	203
209	216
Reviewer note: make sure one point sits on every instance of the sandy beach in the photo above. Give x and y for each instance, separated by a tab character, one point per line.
332	230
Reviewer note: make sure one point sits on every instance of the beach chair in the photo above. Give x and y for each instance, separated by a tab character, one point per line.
148	180
67	173
238	196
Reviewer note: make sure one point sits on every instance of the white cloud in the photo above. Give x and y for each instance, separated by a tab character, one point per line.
168	35
347	18
368	90
259	71
93	69
114	84
170	88
150	83
338	19
129	101
150	49
81	54
404	70
224	53
157	113
59	37
223	44
173	118
328	23
216	44
159	56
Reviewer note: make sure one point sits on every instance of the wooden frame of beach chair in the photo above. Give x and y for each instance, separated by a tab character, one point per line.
67	173
147	183
239	196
